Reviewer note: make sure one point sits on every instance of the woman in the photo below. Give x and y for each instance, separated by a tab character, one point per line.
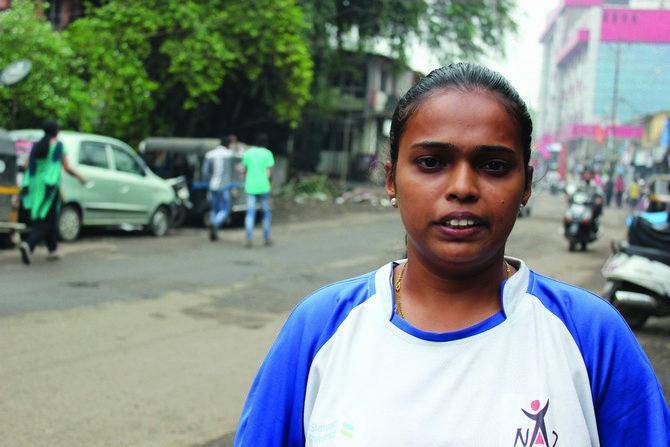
41	191
458	345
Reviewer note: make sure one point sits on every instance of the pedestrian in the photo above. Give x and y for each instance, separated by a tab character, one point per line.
40	191
609	190
257	163
619	188
457	344
634	194
236	145
218	168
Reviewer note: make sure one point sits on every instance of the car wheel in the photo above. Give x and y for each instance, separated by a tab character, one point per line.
160	222
69	223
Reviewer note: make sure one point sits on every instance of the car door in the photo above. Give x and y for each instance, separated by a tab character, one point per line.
98	197
136	190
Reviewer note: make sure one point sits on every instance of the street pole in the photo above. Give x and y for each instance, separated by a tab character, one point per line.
615	97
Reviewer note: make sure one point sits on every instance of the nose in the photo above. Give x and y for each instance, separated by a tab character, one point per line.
462	183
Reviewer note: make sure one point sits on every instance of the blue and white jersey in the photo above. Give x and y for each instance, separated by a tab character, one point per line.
558	366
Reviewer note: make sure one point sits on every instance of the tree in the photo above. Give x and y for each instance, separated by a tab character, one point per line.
192	68
344	31
50	90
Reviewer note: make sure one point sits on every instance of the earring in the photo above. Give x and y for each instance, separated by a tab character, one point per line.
522	205
394	202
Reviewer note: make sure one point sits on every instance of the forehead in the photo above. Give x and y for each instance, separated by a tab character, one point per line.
471	117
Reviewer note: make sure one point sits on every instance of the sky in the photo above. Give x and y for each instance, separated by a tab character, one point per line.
523	62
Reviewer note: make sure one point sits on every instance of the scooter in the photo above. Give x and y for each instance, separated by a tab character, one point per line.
580	223
183	204
638	273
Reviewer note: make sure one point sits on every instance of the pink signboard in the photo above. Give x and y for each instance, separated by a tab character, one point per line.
592	131
629	25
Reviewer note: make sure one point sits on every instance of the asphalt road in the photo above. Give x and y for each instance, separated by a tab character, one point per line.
132	340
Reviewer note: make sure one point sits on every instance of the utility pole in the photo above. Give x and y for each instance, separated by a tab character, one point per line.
615	96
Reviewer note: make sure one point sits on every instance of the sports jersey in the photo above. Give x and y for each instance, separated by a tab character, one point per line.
557	366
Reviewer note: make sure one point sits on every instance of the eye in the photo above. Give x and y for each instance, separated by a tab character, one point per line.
428	162
497	167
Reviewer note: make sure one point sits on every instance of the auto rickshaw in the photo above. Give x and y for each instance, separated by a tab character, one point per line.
9	191
180	160
659	192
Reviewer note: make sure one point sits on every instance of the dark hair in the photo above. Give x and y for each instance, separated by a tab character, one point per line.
41	148
465	77
261	139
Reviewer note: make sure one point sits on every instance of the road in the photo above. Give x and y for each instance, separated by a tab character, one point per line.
132	340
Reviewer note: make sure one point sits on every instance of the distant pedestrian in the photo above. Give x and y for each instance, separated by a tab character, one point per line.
218	168
41	191
634	194
236	145
619	188
609	190
257	164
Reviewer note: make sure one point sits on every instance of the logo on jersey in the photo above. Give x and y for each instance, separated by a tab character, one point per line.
536	434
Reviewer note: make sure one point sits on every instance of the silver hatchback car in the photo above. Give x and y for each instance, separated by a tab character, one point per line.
120	188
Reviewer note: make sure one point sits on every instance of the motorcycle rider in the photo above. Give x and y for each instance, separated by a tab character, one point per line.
597	196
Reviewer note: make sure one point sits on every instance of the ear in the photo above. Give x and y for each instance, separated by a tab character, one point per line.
528	186
389	180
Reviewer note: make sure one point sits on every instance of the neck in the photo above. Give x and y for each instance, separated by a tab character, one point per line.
440	298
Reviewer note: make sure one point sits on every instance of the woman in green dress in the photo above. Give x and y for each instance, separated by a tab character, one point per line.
41	191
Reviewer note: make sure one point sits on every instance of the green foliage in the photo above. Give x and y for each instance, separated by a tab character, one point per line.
49	90
130	68
111	48
452	29
317	185
165	64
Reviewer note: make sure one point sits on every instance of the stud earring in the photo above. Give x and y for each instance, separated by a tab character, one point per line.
394	202
523	205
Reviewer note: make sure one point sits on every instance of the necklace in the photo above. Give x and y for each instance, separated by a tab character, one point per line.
398	284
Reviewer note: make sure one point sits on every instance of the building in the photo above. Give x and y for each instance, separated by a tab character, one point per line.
357	126
606	65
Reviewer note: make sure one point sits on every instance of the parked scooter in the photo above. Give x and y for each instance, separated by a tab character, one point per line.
581	224
638	273
183	200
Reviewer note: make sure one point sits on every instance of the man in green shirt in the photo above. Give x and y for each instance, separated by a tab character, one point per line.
257	163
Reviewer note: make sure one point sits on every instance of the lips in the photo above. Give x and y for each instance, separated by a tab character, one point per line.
460	224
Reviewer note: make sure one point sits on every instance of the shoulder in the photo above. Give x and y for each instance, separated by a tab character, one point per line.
592	321
620	373
318	317
59	151
570	302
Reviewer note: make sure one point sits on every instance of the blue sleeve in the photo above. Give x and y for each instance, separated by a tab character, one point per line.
273	413
627	397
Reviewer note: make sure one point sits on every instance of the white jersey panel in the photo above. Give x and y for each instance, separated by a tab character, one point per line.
520	383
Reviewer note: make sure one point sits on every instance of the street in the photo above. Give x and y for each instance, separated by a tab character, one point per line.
134	340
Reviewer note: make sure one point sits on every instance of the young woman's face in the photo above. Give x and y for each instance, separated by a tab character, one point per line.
460	178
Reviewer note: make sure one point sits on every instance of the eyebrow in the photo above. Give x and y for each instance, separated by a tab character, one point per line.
484	148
